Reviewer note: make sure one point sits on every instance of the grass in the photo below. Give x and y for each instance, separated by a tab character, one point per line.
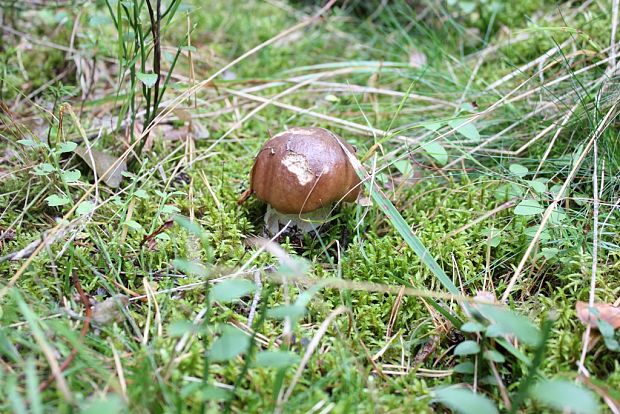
513	95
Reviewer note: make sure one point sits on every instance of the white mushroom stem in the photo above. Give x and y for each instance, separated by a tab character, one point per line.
304	222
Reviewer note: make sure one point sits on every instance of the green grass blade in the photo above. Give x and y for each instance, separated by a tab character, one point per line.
402	227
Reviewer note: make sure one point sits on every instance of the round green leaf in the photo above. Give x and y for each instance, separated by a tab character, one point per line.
435	150
231	343
190	268
539	185
466	367
472	326
464	401
528	207
518	170
43	169
508	322
466	128
467	348
67	147
71	176
565	396
56	200
494	356
404	166
231	290
276	359
147	79
432	126
85	207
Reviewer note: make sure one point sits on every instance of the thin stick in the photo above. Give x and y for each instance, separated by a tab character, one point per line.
614	27
595	230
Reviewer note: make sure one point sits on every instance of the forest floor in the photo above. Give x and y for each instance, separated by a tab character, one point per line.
132	281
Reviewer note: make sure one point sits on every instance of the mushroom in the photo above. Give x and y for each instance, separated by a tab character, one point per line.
300	173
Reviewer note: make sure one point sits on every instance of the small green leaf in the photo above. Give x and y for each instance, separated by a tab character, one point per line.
56	200
67	147
134	225
148	79
140	193
231	343
528	207
539	185
466	367
549	252
518	170
467	348
43	169
531	231
180	328
231	290
472	326
605	328
432	126
276	359
466	128
190	268
435	150
190	226
565	396
29	143
71	176
493	236
493	355
85	207
404	166
464	401
168	209
291	311
508	322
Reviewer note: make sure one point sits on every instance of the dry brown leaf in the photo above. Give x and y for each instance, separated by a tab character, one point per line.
102	163
110	310
606	312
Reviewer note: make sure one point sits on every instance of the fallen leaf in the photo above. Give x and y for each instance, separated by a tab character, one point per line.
606	312
110	310
102	163
427	350
149	239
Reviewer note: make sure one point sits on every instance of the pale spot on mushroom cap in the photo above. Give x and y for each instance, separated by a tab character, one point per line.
298	165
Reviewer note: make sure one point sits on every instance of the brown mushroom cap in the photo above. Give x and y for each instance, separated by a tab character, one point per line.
303	169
